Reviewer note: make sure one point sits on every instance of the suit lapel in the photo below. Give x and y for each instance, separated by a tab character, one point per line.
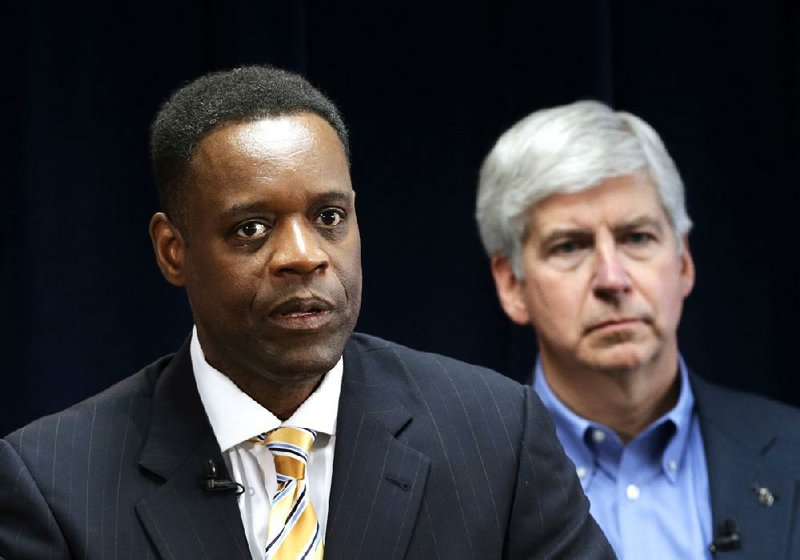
378	481
739	458
182	519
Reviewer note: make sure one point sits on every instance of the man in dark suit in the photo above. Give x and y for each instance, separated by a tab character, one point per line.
274	432
582	212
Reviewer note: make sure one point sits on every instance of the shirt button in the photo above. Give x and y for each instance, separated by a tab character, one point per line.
672	464
581	472
632	492
598	436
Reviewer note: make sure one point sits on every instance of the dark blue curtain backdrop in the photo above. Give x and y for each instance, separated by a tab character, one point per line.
425	91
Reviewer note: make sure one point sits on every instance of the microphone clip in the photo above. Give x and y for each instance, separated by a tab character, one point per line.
728	540
214	484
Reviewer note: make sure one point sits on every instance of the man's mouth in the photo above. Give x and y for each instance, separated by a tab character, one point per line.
611	324
302	313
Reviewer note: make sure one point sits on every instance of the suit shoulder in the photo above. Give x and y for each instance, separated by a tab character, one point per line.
115	401
738	411
430	367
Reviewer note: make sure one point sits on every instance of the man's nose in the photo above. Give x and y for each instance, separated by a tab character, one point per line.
296	248
611	278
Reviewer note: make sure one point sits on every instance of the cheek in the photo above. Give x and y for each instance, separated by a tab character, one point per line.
666	291
674	304
351	282
219	280
348	267
553	302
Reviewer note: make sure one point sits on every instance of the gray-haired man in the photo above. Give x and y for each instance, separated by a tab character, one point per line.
582	212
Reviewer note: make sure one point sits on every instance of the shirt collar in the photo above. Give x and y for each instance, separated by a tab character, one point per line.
576	432
235	417
681	416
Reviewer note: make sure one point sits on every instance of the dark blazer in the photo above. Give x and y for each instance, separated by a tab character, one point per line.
752	443
434	458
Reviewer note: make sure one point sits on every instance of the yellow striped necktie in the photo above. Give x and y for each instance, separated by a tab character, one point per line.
294	530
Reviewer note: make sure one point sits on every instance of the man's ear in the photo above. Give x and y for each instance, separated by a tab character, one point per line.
169	247
509	290
687	268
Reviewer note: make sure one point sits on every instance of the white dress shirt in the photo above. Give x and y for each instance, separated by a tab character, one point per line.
235	418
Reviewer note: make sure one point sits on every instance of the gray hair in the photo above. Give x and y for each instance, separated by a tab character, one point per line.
568	149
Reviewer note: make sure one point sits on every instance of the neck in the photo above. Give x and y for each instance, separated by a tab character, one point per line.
627	401
280	399
280	392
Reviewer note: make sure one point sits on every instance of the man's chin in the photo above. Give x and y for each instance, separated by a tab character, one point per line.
289	359
304	361
303	368
622	358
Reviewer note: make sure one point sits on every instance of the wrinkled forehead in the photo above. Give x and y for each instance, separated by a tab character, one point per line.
613	201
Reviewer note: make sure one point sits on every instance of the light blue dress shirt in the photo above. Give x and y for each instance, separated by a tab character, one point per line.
650	496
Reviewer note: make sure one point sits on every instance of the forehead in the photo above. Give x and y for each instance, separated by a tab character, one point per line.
276	142
292	155
613	202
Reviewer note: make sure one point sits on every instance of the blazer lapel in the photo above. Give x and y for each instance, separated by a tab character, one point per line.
183	519
741	460
378	481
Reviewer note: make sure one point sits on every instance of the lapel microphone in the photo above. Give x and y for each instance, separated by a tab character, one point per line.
214	484
728	539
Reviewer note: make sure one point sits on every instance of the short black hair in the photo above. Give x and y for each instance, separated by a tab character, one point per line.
243	94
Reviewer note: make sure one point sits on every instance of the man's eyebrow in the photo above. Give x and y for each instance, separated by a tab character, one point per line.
565	232
239	209
558	234
585	233
243	209
330	197
642	221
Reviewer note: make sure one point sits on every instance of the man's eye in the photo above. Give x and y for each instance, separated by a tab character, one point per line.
251	229
331	217
565	248
638	238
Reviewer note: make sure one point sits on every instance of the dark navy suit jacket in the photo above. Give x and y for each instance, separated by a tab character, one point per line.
434	458
751	443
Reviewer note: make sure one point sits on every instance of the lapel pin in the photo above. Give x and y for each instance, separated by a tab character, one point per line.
765	496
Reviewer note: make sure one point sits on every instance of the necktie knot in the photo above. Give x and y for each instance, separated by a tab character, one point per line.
289	446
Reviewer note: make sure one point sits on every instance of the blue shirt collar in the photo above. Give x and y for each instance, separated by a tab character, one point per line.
669	434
